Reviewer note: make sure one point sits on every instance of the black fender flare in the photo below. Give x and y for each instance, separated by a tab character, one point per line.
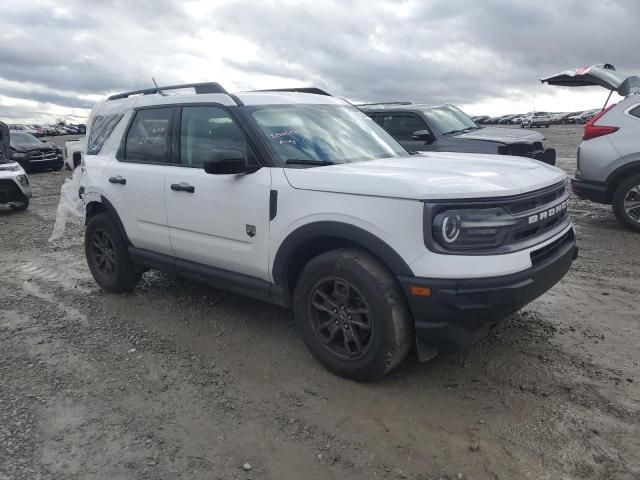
619	174
356	235
111	210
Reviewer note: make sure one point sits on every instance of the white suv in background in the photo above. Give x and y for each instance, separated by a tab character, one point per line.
298	198
535	119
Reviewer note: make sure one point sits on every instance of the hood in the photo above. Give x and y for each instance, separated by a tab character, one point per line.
603	75
430	176
503	135
10	170
27	147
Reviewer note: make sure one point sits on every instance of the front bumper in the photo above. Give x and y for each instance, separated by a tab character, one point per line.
12	191
458	313
594	191
37	161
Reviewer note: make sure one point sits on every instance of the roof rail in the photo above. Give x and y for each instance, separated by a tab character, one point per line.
200	88
314	90
383	103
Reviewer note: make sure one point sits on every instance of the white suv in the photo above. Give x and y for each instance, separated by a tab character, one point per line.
298	198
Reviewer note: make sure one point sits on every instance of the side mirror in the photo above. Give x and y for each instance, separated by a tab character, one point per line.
422	135
228	162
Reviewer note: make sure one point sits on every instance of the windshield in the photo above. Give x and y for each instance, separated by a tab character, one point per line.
22	138
309	135
449	119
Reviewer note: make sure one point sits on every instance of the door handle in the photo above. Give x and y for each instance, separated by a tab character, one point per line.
118	179
182	187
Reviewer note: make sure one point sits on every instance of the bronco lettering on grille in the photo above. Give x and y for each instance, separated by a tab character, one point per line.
538	217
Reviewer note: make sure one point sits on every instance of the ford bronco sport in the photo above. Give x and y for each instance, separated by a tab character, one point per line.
299	198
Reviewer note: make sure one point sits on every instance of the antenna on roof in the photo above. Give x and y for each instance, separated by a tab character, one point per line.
158	88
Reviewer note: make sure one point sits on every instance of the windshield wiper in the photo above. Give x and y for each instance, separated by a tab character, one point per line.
463	130
316	163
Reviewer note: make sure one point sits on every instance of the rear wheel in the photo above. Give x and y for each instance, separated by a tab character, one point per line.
107	255
626	203
58	167
353	315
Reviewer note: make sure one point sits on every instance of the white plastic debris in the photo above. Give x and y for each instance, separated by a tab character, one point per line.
70	206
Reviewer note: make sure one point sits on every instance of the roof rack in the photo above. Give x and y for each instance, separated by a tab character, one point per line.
383	103
200	88
314	90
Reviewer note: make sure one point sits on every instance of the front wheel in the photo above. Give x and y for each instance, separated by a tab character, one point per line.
353	316
626	203
107	255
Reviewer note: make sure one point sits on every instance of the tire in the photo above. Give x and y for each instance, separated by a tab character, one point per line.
521	124
20	206
546	126
58	167
627	194
355	280
116	272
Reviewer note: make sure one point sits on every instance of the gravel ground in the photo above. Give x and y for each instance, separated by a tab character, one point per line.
177	380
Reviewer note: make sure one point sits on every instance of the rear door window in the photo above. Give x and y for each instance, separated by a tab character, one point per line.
148	139
402	125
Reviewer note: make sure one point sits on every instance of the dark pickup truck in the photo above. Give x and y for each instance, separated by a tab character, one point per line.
446	128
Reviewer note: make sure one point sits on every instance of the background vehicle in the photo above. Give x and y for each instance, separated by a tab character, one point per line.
15	189
73	152
34	154
446	128
536	119
609	157
584	117
23	128
370	245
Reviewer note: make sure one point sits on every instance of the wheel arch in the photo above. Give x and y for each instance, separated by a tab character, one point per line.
104	205
620	174
311	240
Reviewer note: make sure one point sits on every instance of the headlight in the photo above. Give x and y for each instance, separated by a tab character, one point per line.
468	229
24	181
18	155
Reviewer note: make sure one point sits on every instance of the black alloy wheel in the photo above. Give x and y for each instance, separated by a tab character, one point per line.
103	253
341	318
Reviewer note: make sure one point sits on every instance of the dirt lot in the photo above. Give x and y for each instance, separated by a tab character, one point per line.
177	380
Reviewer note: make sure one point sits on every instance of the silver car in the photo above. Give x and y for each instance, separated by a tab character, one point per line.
609	157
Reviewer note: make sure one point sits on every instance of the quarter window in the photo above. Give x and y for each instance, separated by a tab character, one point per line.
402	126
635	111
209	133
148	137
101	128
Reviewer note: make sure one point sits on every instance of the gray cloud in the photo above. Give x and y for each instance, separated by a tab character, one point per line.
459	51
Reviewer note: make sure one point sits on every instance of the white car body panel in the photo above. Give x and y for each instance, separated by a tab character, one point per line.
209	226
431	176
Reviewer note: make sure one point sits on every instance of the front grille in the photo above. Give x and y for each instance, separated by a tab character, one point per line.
8	186
540	255
540	213
9	191
537	199
40	155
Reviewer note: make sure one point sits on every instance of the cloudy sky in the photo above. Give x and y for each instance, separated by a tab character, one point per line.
58	57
